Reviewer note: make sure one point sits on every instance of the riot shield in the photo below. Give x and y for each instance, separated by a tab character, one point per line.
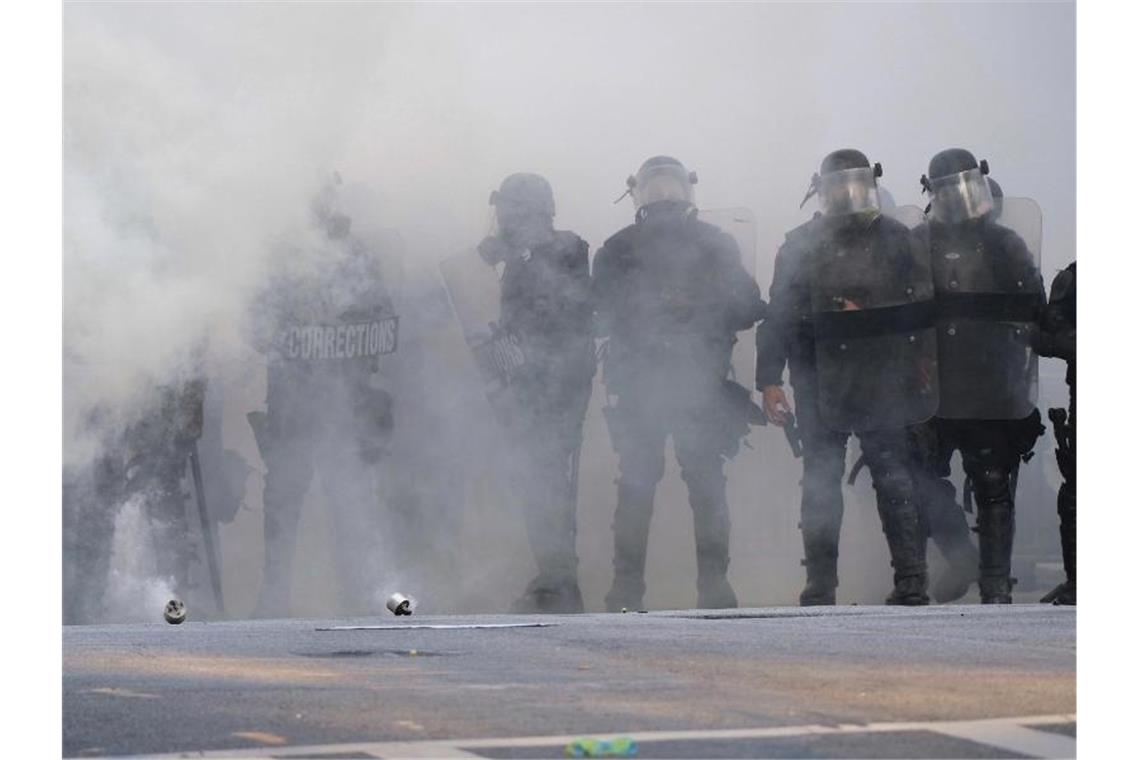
988	282
873	313
473	287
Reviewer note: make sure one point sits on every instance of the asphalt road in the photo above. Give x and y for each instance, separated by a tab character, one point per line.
948	681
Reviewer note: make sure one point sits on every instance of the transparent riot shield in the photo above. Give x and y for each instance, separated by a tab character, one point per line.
473	287
988	281
873	312
740	223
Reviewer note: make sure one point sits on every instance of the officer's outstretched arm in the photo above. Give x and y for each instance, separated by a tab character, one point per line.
1058	333
772	333
744	304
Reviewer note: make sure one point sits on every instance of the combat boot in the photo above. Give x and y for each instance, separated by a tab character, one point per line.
951	534
714	592
1066	593
907	544
821	559
711	529
631	541
909	591
819	591
955	581
995	534
627	593
546	597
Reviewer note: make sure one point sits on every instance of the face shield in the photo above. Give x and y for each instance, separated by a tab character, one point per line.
667	182
960	197
521	224
850	191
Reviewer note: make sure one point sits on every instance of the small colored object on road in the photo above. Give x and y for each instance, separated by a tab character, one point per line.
622	746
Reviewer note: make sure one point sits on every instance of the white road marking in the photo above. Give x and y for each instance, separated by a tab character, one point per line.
435	627
113	692
1012	734
1015	738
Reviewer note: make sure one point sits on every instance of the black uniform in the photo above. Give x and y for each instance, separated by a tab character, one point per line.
326	330
159	447
1059	339
788	337
545	306
144	463
92	493
670	294
997	261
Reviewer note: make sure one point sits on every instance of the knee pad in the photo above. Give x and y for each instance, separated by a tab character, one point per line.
705	481
824	462
892	480
641	472
991	485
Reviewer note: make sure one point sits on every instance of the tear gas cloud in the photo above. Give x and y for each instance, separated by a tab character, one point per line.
196	137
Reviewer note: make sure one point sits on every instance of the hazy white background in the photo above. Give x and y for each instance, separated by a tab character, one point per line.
195	135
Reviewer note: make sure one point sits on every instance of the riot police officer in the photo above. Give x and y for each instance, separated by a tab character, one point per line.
1059	339
544	308
157	449
989	295
92	491
325	321
851	314
671	293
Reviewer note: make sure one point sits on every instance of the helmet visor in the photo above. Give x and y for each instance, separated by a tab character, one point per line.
662	183
521	223
850	191
960	197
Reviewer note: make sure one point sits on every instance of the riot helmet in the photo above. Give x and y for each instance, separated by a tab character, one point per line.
524	209
336	224
957	186
661	178
846	184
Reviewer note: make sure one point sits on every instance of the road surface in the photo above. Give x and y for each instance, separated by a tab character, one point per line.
945	681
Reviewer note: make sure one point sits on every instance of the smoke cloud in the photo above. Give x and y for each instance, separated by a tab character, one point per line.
196	137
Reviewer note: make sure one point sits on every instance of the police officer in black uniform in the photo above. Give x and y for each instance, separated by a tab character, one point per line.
852	315
990	294
92	492
324	323
671	293
544	307
158	448
1059	339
